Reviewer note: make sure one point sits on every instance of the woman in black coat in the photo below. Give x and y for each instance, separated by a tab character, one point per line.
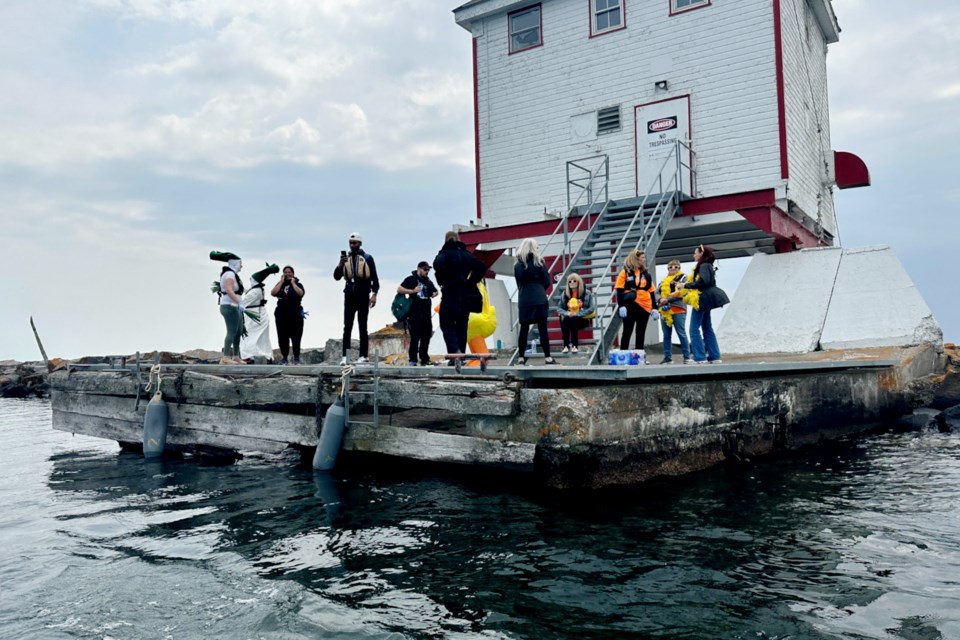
703	339
532	283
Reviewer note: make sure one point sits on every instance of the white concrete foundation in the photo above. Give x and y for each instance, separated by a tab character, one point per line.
876	304
828	298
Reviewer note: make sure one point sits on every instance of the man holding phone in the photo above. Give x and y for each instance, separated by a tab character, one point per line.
361	285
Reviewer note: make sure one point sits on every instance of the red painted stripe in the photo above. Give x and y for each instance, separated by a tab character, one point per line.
781	104
476	126
732	202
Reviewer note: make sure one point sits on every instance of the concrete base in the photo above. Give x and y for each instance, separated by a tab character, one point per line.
828	298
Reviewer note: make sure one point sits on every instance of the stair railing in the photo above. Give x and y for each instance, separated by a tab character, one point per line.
668	202
582	224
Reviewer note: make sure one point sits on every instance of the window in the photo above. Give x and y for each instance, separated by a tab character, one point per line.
525	28
608	119
679	6
606	15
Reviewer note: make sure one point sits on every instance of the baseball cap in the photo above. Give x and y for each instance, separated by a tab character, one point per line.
423	264
355	236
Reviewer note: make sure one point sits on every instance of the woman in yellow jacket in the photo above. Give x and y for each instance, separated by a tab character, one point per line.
635	295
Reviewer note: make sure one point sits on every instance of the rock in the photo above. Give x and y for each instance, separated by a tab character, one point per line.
314	356
201	356
949	419
332	350
57	363
924	419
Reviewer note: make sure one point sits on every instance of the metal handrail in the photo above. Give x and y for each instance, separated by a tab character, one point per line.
662	202
561	225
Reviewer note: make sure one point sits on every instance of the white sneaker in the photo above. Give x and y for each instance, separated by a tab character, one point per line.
362	360
689	361
716	361
343	361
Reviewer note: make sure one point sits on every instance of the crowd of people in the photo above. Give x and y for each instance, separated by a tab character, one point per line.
458	273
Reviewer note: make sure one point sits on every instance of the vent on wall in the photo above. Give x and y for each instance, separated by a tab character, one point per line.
608	119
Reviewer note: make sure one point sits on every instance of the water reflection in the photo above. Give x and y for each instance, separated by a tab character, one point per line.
853	542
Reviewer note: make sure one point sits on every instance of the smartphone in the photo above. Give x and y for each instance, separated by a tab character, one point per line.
343	254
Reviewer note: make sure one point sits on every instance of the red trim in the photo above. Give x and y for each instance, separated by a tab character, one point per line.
636	169
850	170
474	237
781	101
476	127
623	19
688	9
510	51
732	202
786	232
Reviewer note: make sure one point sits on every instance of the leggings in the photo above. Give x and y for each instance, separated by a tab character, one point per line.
544	336
289	330
636	316
234	321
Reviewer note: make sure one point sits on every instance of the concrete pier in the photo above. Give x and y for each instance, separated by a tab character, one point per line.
572	427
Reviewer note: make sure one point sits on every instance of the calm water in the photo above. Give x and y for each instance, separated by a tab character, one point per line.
861	542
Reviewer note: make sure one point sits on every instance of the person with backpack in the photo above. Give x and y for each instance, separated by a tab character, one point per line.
361	285
419	289
229	289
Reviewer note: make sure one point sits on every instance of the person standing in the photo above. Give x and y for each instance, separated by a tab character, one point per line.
673	314
704	279
289	314
421	289
576	307
635	293
231	306
458	274
361	285
533	280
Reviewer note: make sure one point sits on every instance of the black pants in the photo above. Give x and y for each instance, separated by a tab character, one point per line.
454	316
358	304
289	330
636	317
544	336
421	329
570	327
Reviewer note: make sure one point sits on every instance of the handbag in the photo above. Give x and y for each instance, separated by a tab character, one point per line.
401	306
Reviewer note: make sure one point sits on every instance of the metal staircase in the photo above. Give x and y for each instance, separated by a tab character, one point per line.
617	230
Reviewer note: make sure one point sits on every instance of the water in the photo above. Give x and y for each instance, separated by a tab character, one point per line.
861	541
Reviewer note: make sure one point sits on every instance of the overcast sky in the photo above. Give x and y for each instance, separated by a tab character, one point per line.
137	135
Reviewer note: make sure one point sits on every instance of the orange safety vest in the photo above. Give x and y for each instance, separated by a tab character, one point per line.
639	284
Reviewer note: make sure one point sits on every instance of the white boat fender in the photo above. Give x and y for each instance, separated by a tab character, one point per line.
331	436
155	426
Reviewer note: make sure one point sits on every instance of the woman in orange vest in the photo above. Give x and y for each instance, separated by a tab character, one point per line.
635	295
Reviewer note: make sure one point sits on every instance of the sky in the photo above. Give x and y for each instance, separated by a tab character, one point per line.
138	135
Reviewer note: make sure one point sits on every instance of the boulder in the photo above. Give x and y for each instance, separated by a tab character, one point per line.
924	419
948	420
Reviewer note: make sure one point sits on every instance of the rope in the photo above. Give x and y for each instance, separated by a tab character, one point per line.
154	371
345	372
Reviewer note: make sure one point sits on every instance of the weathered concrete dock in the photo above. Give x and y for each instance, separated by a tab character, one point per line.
571	426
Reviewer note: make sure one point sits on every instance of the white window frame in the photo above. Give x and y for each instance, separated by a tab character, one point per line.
691	5
538	28
594	12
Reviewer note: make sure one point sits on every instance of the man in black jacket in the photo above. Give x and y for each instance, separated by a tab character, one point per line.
458	273
359	272
418	286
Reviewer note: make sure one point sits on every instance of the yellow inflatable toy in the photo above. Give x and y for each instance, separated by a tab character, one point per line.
481	326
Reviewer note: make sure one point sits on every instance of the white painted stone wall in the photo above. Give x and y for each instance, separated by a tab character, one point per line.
876	304
781	303
829	298
534	104
807	107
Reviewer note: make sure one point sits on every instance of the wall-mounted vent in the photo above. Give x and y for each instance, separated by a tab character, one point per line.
608	119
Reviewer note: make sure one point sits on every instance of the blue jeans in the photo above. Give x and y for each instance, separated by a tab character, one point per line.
700	320
679	323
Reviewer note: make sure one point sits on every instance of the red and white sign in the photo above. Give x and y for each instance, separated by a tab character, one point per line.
659	125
